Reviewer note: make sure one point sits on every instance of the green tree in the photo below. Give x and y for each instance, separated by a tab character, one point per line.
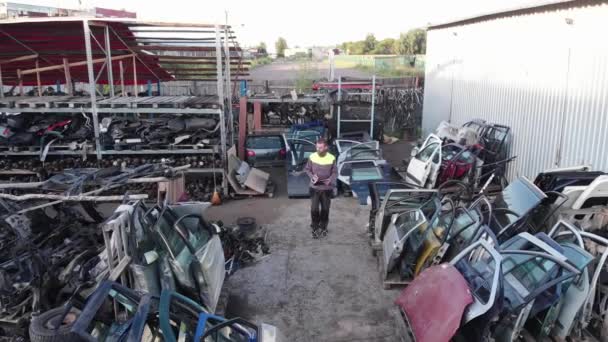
401	45
369	43
281	46
262	51
411	42
417	38
358	48
385	47
346	46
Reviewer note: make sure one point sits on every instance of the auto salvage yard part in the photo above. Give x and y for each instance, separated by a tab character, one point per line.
73	198
561	301
245	180
112	182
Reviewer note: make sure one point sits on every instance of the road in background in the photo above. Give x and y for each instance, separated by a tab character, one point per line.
292	70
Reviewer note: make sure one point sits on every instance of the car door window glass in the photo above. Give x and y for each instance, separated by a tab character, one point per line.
427	152
365	174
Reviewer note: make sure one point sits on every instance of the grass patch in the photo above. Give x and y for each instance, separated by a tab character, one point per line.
391	71
260	61
304	78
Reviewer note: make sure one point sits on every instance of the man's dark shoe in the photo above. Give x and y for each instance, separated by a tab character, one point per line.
323	230
315	231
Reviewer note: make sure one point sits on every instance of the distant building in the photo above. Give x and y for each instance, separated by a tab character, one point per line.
10	10
99	12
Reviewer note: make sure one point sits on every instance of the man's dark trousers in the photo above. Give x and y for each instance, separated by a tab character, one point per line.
320	198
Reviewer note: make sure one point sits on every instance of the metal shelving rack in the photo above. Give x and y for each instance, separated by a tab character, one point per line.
152	52
372	93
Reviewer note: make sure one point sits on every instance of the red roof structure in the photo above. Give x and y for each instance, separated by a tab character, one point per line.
49	50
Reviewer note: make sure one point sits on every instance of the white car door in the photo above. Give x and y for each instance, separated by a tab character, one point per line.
397	234
424	166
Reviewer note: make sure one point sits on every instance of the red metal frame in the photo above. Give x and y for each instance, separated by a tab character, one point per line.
242	126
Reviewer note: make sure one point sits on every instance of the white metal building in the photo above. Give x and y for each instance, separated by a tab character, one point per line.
542	70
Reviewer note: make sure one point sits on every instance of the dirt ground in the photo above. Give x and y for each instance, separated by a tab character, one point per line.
312	290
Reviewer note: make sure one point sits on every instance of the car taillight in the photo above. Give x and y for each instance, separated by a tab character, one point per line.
250	153
282	153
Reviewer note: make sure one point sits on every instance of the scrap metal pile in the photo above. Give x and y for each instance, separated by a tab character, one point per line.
122	133
475	153
25	169
526	264
287	111
38	131
401	108
67	273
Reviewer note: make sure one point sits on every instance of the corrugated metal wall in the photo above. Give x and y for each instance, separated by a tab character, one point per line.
543	74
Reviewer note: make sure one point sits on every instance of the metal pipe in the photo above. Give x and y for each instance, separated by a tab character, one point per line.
109	61
228	84
20	78
92	90
38	83
77	198
220	94
371	124
135	76
122	78
339	105
1	83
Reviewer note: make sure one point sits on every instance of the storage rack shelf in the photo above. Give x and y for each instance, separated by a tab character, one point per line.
118	54
172	105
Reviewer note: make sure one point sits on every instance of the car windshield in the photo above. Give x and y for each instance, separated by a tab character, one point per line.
264	142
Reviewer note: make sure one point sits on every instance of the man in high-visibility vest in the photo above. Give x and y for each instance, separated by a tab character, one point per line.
322	171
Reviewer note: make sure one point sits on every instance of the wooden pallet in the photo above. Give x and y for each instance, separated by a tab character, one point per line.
34	102
9	102
73	102
117	102
162	102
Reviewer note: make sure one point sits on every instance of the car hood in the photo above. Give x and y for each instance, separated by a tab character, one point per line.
434	303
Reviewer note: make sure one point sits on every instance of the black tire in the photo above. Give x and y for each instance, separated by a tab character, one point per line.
42	326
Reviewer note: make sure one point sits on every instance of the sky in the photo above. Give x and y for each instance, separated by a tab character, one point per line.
303	23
